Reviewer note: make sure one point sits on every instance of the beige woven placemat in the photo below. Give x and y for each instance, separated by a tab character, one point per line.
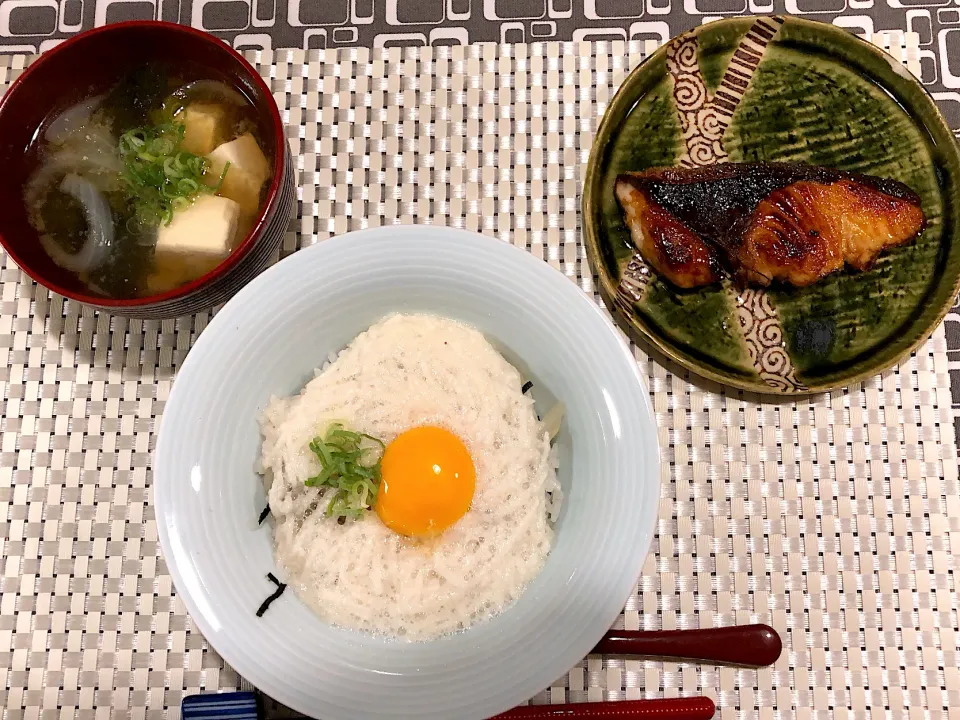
832	518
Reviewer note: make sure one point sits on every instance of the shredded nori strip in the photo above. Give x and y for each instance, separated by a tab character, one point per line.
263	515
277	593
526	386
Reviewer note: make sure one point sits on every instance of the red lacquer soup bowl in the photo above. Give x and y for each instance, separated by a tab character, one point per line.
91	63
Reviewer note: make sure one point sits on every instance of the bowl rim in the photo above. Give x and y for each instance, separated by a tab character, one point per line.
263	217
644	522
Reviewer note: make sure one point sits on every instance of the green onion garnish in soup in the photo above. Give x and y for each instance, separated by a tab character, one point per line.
160	176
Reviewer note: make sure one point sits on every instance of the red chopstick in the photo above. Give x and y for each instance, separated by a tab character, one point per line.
688	708
739	645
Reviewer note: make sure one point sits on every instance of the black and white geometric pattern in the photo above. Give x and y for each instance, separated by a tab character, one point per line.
34	25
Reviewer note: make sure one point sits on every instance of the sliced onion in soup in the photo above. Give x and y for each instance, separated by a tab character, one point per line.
71	120
99	219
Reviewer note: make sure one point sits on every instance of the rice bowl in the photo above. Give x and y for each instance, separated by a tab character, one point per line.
269	340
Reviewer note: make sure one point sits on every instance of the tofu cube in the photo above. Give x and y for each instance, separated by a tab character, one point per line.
197	238
204	127
248	171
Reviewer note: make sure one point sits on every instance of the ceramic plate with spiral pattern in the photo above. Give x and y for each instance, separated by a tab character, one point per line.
773	89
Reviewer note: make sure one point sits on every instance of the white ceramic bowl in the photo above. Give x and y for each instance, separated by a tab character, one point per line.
268	340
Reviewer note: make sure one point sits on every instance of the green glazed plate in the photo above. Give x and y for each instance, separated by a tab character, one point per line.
787	90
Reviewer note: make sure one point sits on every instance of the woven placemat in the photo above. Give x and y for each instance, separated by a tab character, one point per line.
831	518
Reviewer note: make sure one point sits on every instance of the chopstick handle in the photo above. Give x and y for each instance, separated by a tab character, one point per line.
743	645
689	708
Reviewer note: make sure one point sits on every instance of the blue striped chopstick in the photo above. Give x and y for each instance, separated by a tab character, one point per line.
220	706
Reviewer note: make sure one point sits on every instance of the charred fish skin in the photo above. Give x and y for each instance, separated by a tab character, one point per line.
673	250
712	201
782	222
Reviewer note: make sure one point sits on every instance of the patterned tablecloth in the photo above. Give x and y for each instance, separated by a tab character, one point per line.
836	518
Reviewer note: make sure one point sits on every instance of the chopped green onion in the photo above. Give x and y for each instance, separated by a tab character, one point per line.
349	466
160	177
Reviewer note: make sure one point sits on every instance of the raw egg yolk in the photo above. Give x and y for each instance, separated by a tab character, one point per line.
427	482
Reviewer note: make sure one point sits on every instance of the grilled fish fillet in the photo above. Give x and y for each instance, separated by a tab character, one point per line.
765	222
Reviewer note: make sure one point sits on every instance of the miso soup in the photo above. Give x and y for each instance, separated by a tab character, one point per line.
149	185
